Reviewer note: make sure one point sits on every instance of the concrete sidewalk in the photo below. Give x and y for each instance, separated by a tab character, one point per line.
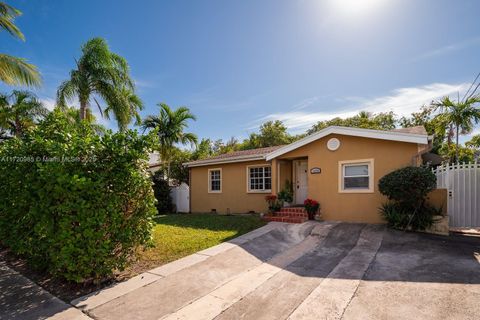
22	299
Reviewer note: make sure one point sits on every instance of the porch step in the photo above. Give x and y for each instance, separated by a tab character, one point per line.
294	210
288	214
291	214
285	219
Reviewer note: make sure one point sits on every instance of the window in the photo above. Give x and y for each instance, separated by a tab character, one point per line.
214	180
259	179
356	176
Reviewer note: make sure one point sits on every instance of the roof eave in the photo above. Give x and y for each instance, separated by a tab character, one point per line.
364	133
222	161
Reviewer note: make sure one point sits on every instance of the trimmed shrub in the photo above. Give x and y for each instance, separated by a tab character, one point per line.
162	193
407	189
74	203
409	185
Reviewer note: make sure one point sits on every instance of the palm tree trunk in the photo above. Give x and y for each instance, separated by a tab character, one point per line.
456	149
83	109
18	129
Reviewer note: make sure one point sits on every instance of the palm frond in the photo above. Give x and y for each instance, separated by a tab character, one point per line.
66	92
18	72
7	17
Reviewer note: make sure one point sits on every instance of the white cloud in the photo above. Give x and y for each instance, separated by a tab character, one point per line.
402	101
305	103
449	48
142	83
48	103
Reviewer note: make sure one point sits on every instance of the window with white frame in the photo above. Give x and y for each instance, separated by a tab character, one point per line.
215	180
259	179
356	176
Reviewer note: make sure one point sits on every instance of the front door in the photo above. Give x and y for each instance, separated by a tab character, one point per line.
301	184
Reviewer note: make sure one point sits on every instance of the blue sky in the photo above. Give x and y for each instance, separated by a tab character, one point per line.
238	63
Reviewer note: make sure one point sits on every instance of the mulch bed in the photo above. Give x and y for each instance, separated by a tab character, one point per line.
61	288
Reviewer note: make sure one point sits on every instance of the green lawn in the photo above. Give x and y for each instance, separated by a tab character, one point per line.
178	235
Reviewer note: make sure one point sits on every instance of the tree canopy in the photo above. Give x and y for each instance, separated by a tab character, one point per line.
19	112
365	120
101	73
13	70
170	125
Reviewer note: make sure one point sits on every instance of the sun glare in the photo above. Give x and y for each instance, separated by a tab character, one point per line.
356	8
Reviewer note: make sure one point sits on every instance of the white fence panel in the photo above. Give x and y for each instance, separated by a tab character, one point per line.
181	197
462	180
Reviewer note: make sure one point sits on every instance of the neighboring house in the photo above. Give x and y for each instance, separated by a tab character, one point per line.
154	162
338	166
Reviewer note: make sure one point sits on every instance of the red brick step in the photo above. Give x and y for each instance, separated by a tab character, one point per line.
289	215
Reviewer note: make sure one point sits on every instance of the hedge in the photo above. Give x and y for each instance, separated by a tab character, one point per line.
75	203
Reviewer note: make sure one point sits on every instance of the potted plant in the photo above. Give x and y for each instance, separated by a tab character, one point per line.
312	207
274	204
286	195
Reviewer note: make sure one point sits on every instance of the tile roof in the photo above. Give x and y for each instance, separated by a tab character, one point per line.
414	130
237	155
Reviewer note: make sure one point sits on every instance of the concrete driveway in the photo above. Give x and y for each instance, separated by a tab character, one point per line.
308	271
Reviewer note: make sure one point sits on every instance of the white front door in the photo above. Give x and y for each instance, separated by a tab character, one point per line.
301	184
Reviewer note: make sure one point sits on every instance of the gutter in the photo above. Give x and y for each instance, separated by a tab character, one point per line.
222	161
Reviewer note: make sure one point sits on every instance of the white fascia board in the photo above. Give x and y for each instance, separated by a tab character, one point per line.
356	132
222	161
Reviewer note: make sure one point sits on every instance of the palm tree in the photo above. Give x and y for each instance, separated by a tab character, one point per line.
73	117
103	74
459	116
19	112
171	125
13	70
131	103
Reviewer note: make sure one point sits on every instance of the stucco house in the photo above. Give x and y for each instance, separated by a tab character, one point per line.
337	166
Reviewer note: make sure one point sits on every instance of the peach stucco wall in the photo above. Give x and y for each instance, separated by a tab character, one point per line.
324	187
234	197
438	199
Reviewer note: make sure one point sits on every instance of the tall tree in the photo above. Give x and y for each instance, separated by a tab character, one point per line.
461	115
366	120
128	111
19	112
13	70
204	150
103	74
273	133
433	123
73	116
170	125
474	142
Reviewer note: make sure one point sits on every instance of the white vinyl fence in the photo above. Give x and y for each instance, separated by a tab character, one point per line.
462	180
181	197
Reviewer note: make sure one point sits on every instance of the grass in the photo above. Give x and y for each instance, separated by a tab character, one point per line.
178	235
174	237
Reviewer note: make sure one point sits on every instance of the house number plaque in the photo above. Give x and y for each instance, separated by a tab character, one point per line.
315	170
